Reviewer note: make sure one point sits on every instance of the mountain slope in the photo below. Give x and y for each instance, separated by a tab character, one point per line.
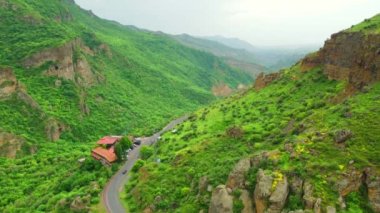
302	140
238	58
68	78
274	58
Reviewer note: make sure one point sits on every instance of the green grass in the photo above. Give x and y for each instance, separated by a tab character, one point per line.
149	79
201	146
369	26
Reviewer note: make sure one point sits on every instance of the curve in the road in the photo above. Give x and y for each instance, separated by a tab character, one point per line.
110	194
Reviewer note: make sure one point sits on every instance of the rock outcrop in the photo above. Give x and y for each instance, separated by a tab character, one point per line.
308	198
10	145
247	202
263	80
263	190
66	64
221	90
221	200
8	82
349	56
54	129
350	182
278	197
236	178
372	181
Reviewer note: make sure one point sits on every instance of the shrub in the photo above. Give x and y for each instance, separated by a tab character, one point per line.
146	152
139	163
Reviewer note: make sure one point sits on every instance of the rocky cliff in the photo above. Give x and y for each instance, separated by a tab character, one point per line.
66	63
350	56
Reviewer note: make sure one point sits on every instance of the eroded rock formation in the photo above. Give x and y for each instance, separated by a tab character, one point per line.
221	200
66	63
349	56
8	82
263	80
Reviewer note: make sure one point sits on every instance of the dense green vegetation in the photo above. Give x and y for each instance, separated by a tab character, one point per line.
295	109
142	80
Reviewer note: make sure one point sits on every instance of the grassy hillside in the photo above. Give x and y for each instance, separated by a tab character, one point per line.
239	58
303	126
71	78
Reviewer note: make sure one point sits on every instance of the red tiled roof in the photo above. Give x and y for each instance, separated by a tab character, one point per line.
108	140
107	154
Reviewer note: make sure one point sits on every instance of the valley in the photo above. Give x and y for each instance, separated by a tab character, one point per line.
263	129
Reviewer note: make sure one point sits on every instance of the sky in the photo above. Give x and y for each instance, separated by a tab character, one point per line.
260	22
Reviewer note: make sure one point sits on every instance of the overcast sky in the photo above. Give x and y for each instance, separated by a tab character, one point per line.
260	22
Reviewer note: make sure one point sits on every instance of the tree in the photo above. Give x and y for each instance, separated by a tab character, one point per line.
123	145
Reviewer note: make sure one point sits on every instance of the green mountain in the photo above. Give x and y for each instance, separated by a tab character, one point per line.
68	78
239	58
273	58
305	139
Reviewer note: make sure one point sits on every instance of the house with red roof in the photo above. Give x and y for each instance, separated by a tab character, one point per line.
105	152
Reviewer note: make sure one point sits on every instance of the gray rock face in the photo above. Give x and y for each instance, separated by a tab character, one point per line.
236	179
262	191
247	202
278	198
221	201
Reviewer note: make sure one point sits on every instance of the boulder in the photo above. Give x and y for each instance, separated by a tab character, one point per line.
308	198
203	184
247	202
221	200
372	182
342	136
330	209
263	190
236	178
350	182
317	205
278	197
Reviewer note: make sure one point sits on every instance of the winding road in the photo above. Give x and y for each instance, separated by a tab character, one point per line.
110	194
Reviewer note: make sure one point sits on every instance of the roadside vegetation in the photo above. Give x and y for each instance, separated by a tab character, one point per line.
142	80
296	109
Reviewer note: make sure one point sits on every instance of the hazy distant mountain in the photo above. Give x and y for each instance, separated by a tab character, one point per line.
238	58
274	57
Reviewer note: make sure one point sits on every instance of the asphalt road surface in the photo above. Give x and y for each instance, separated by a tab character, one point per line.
111	192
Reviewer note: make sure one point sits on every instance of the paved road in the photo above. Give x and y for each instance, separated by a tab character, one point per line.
110	195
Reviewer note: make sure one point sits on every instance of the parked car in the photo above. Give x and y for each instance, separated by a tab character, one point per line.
137	141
